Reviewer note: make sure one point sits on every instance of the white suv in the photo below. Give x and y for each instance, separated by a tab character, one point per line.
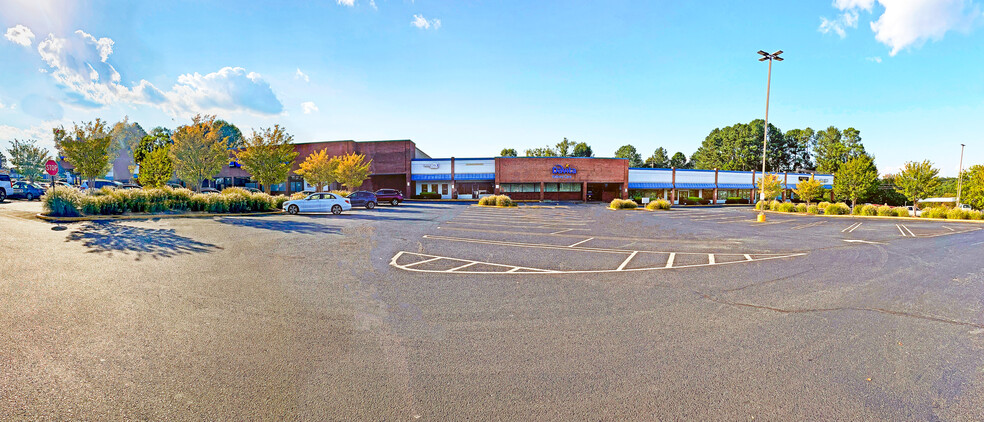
5	188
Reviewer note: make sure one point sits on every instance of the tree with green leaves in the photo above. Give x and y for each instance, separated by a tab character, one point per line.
857	178
916	180
319	169
739	147
833	147
679	160
773	186
507	152
541	152
87	148
157	138
3	160
808	190
268	155
229	132
352	170
125	136
798	141
28	158
564	148
629	152
973	187
198	152
659	159
156	168
582	150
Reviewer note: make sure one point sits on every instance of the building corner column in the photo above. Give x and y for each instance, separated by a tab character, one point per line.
454	189
673	186
541	191
715	186
584	191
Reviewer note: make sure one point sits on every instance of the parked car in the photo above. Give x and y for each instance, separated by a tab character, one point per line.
253	190
5	187
26	190
318	202
100	183
392	196
174	186
914	212
209	190
363	199
129	186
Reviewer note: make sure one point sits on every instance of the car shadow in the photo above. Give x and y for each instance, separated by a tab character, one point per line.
110	237
283	226
364	215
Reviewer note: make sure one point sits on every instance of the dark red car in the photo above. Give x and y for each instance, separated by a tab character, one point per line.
391	196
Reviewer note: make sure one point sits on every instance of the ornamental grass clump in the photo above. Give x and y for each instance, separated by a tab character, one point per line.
785	207
813	209
886	211
504	201
901	212
774	205
975	215
761	205
868	210
801	208
839	208
62	201
622	204
659	204
934	212
957	214
823	205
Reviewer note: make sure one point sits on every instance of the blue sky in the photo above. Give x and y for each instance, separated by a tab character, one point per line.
470	78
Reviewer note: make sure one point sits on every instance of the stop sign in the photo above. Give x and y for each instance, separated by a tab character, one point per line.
51	167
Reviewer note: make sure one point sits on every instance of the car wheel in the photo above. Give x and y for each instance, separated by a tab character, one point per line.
3	195
370	205
29	197
337	209
292	210
394	202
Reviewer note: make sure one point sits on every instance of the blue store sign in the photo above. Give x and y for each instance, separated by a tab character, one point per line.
563	172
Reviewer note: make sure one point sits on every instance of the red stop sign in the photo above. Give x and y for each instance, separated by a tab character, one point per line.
51	167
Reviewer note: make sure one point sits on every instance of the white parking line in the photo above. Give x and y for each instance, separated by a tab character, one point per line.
578	243
748	257
460	267
910	231
710	259
626	262
669	261
851	228
562	231
945	227
425	261
900	230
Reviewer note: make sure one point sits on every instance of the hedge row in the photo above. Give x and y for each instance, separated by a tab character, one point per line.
952	214
65	201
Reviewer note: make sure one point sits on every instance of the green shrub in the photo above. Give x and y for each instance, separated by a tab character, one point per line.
277	202
428	195
217	204
823	205
505	201
736	200
901	211
62	201
801	208
622	204
886	211
813	209
198	202
785	207
934	212
774	205
975	215
345	193
487	200
659	204
957	214
297	195
90	205
761	205
839	208
868	210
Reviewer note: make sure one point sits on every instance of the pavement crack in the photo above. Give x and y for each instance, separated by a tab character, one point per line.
841	308
760	283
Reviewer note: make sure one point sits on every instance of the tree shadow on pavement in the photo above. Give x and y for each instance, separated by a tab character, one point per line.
109	237
284	226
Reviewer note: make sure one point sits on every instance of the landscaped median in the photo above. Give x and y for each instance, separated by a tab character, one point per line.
841	209
70	204
627	204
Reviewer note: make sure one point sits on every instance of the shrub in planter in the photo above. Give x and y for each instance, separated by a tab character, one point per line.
801	207
823	205
886	211
975	215
761	205
901	212
934	212
869	210
736	200
62	201
957	214
659	204
428	195
774	205
685	201
785	207
813	209
487	200
505	201
839	208
622	204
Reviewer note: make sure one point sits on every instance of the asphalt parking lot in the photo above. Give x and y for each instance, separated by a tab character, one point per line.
448	311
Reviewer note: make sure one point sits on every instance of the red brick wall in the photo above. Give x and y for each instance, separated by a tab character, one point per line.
536	169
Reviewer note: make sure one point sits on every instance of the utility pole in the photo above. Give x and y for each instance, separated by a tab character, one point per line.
960	174
765	139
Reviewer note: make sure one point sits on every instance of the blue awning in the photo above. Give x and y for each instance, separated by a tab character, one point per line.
736	186
695	186
445	176
474	176
645	185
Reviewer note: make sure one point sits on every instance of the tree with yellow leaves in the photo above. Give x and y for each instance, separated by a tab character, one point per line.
352	170
268	156
198	152
319	169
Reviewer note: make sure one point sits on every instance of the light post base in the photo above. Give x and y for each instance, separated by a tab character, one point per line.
761	217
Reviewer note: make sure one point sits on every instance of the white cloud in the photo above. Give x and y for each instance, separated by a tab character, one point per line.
309	107
420	22
301	75
905	24
372	3
2	106
80	64
21	35
348	3
875	59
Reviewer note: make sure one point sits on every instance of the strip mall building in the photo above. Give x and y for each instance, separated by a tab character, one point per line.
402	166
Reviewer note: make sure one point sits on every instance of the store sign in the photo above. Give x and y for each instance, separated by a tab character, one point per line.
563	172
433	166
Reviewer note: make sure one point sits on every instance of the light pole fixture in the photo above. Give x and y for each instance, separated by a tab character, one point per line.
768	86
960	174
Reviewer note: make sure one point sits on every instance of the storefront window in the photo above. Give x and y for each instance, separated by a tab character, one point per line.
520	187
570	187
423	188
444	189
550	187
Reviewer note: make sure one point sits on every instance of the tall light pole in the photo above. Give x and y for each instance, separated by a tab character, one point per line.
960	174
768	87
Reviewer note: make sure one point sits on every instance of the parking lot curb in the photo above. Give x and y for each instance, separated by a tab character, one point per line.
874	217
147	216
